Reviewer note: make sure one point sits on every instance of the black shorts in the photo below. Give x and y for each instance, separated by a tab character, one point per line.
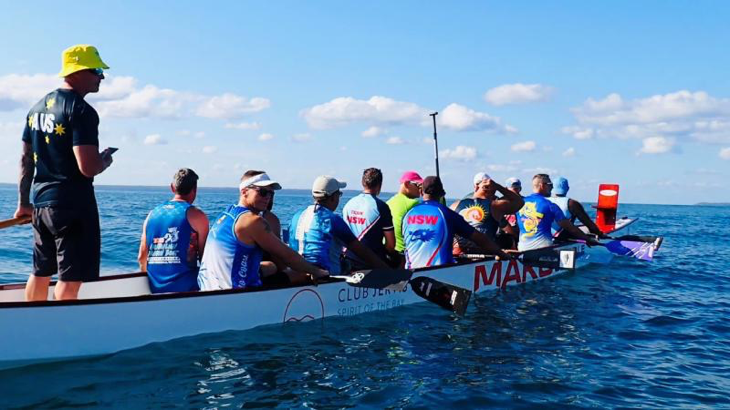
67	242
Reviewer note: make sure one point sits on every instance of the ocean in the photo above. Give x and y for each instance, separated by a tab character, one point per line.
628	334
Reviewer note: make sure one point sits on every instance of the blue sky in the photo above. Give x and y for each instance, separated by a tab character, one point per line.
635	93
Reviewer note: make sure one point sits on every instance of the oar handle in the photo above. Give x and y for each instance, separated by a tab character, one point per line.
14	221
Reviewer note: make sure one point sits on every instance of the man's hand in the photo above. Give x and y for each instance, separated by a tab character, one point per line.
23	211
106	158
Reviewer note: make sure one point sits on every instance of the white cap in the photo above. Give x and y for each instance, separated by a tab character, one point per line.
481	176
259	180
326	185
512	182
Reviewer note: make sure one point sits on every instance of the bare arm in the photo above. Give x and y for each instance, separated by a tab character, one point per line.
574	231
389	241
90	161
368	256
513	231
27	169
576	208
199	222
143	251
510	202
256	229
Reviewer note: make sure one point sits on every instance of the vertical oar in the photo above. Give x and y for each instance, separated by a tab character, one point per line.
435	143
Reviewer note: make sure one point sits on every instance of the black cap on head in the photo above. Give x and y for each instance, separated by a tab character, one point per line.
432	186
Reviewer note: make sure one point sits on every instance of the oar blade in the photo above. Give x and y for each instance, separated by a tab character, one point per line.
634	249
449	297
656	241
390	279
549	258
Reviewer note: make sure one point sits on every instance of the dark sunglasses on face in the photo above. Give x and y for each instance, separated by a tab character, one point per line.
98	71
264	192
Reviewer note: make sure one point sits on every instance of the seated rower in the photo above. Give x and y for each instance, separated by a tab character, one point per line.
239	237
485	212
538	214
369	218
319	234
429	229
571	208
408	196
514	185
173	238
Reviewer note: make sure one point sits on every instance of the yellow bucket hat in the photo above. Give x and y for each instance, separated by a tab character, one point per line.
80	57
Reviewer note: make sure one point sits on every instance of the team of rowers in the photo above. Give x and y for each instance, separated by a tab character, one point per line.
244	246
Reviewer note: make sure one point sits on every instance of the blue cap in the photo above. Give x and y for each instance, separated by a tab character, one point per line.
560	186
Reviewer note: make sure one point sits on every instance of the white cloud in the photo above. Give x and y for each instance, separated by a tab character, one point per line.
228	106
518	94
460	153
209	149
460	118
372	132
725	153
22	91
266	137
579	133
512	166
304	137
343	111
122	97
679	115
656	145
395	141
570	152
243	126
154	139
525	146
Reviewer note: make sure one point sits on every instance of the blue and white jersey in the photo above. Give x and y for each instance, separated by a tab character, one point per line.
368	217
535	220
170	267
428	234
319	235
227	262
562	203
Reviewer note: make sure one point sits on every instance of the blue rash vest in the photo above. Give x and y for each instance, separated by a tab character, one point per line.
227	262
172	265
428	234
535	220
368	217
319	235
562	203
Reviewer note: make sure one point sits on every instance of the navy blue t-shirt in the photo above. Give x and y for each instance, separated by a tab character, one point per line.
58	122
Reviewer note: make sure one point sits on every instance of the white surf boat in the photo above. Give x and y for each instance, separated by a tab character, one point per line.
118	312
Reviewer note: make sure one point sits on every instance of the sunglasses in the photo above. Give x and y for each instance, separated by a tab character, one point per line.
98	71
419	186
264	192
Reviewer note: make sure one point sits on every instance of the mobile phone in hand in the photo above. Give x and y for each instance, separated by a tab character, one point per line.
112	150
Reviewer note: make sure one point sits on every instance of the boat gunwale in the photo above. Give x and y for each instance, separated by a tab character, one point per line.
180	295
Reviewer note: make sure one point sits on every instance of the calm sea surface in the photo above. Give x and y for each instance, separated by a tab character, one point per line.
629	334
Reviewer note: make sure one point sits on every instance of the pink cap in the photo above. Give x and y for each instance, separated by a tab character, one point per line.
411	176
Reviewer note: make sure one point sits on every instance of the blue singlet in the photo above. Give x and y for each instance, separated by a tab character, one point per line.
227	262
168	237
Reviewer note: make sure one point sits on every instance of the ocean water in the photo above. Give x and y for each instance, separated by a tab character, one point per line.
629	334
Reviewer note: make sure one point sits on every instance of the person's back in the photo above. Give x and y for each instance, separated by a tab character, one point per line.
172	261
535	220
562	203
402	202
319	235
228	262
367	216
427	236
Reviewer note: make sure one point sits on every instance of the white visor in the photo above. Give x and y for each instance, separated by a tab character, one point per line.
259	180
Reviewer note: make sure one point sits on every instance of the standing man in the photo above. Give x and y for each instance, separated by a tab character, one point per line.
319	234
370	220
484	211
173	238
61	145
538	214
407	197
429	229
571	208
240	235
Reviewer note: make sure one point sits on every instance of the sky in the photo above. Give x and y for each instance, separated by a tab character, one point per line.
634	93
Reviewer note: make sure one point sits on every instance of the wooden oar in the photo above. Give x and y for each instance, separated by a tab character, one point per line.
549	258
449	297
14	221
